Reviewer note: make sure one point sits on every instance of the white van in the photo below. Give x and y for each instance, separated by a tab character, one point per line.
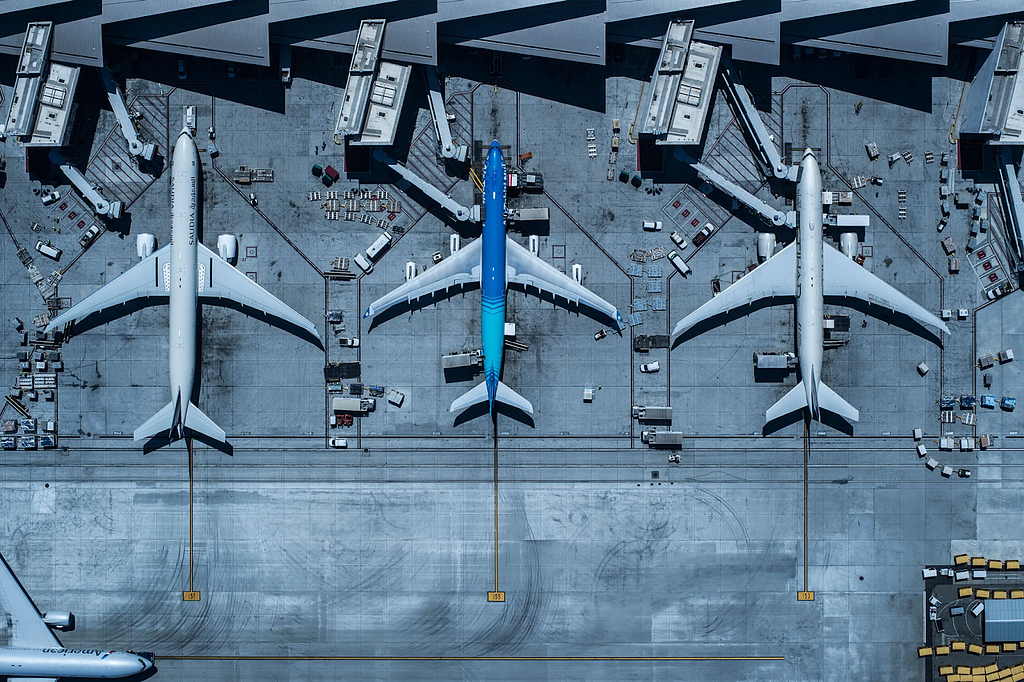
678	263
48	251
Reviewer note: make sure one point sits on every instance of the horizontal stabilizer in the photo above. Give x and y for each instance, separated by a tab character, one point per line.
474	396
196	421
830	400
507	396
158	423
504	395
167	421
795	400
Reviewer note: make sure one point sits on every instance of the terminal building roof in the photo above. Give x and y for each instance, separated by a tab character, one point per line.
574	30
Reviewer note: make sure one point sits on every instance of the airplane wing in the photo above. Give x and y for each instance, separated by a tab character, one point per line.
462	267
776	277
141	281
528	271
843	277
221	281
27	626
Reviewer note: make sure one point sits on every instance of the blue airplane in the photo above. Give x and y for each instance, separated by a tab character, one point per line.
495	263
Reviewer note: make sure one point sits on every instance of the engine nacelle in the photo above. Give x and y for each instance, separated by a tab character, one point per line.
60	620
849	244
534	244
454	243
227	247
765	246
145	244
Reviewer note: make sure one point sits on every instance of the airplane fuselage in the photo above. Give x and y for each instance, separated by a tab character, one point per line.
810	304
493	274
184	274
65	663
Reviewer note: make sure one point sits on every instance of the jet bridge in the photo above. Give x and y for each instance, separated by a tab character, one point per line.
1014	205
766	211
460	212
102	207
442	120
746	113
136	146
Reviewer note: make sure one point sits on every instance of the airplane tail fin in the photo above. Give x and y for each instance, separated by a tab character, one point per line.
824	398
504	395
830	400
795	400
169	419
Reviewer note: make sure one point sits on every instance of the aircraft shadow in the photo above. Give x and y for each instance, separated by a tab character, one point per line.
577	308
729	316
159	442
827	418
422	302
480	409
898	319
102	317
262	316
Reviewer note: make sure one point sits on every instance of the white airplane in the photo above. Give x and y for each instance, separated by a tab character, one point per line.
184	273
808	270
36	654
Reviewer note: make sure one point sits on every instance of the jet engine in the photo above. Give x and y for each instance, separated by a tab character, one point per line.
765	246
60	620
454	243
227	247
849	244
145	244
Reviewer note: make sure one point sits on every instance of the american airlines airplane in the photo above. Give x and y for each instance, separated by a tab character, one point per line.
35	652
184	273
496	263
808	270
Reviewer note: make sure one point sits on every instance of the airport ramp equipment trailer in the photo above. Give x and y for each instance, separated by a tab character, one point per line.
746	113
462	213
662	439
643	413
144	150
102	207
442	120
354	405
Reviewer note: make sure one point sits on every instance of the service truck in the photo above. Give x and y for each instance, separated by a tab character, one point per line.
354	404
662	439
652	414
378	246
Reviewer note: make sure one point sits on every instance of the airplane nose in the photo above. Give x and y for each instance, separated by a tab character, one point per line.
809	152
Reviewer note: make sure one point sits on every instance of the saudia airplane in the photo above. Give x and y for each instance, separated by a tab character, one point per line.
184	274
496	263
35	652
